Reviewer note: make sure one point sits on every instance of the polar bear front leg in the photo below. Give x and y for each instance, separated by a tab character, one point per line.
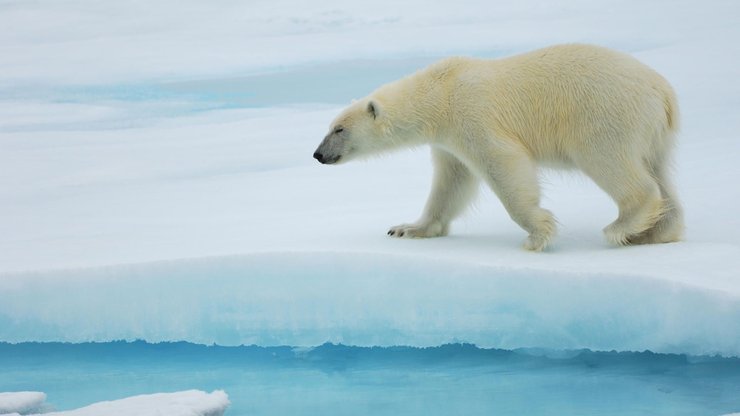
453	187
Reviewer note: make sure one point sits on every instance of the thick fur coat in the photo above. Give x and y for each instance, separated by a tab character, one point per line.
568	106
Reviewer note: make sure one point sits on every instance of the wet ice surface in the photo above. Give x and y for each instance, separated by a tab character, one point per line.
336	379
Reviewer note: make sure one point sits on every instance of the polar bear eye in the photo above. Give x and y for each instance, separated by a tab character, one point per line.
339	129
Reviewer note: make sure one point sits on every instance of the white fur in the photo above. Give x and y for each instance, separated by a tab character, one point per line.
571	106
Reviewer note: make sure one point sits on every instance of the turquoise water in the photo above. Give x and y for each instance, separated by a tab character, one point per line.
341	380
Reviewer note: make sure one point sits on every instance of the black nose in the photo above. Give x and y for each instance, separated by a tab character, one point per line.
318	156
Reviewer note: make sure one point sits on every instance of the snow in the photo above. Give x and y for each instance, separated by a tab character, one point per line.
156	182
113	42
21	402
184	403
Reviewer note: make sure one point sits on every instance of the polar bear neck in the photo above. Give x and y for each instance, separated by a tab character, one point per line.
418	103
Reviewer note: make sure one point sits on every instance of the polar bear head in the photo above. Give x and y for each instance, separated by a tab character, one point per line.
362	129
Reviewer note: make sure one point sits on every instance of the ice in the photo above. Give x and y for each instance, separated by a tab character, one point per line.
306	299
21	402
184	403
156	183
169	163
189	39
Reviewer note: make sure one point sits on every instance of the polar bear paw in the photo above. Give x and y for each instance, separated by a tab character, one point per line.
419	230
536	242
544	227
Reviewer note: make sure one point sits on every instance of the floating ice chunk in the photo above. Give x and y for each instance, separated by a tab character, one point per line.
184	403
22	402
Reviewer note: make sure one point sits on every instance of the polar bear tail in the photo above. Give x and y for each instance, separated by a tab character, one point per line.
671	111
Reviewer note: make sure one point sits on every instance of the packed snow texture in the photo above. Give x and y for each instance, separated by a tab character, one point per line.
146	136
185	403
21	402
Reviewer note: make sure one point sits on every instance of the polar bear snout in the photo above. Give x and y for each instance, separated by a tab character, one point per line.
325	160
330	150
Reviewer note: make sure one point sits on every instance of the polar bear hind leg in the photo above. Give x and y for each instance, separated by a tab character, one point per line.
636	192
669	227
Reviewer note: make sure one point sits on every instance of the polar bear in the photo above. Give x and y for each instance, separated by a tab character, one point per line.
570	106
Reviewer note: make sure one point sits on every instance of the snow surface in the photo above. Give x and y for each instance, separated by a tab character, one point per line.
184	403
21	402
156	181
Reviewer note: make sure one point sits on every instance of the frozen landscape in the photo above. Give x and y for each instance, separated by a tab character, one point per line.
156	184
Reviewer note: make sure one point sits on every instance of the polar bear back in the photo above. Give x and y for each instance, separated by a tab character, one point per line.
562	102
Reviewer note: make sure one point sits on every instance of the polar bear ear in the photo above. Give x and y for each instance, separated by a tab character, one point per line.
372	108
